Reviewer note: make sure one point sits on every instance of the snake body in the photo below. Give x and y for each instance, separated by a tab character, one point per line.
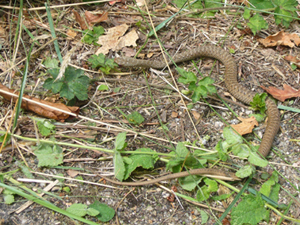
237	90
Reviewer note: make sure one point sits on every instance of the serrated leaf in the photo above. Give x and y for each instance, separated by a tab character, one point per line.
49	155
261	4
256	160
251	210
257	23
206	190
284	11
119	166
73	83
186	77
92	36
267	186
78	209
245	171
106	213
50	63
46	127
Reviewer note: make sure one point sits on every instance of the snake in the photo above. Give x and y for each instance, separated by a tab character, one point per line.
237	90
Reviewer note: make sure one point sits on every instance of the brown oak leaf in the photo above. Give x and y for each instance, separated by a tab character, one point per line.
246	126
10	94
293	59
95	18
281	38
80	20
282	95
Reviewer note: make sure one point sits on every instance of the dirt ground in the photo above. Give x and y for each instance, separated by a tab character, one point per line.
152	204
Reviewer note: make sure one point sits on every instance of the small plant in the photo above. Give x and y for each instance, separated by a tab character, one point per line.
199	88
73	84
92	36
102	63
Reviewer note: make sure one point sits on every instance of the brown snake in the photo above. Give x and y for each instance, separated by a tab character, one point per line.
234	88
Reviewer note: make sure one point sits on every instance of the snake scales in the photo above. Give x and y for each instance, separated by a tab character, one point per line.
234	88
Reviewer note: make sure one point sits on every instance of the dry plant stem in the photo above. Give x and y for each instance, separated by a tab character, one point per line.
231	83
214	173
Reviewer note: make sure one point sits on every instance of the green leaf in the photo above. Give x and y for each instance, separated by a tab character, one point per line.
221	197
46	127
73	84
259	117
256	160
247	14
267	186
50	63
49	155
251	210
145	161
261	4
204	217
135	118
100	61
245	171
120	142
259	102
206	190
92	212
231	136
285	9
181	150
119	166
190	182
106	213
92	36
221	151
257	23
241	150
103	87
8	199
78	209
186	77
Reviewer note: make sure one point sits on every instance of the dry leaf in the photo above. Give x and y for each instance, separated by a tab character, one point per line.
196	115
39	109
80	20
282	95
72	173
246	126
95	18
281	38
174	115
71	33
293	59
113	39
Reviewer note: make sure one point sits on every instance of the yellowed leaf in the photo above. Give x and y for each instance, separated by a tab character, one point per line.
174	114
196	114
246	126
115	40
